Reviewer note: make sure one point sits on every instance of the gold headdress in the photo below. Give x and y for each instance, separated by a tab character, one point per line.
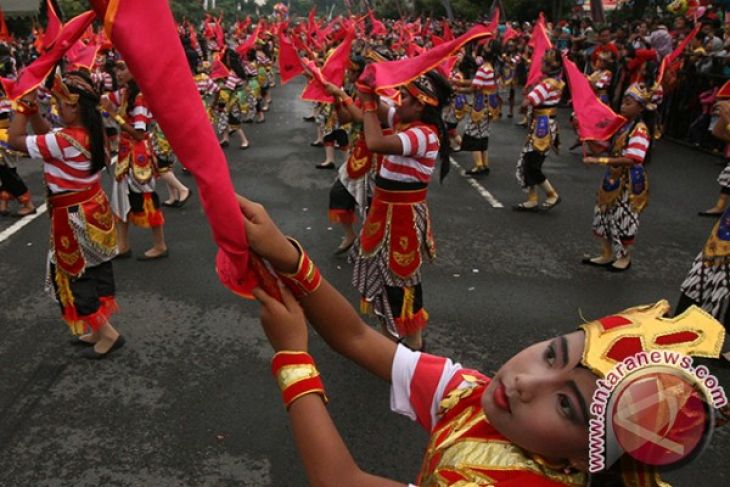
614	338
422	89
648	98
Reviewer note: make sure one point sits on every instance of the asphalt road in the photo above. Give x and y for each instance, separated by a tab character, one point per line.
190	400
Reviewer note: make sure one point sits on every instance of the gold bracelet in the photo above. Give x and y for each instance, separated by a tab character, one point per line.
119	119
604	160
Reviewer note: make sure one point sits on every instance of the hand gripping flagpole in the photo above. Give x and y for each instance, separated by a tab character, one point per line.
145	34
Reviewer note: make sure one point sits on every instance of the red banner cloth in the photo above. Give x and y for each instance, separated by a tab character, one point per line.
509	34
289	64
250	42
596	120
82	56
36	73
389	74
53	27
333	71
144	33
540	43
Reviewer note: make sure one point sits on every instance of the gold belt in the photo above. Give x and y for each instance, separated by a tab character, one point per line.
549	112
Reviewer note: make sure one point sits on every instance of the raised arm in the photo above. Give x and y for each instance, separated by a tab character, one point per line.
26	111
375	112
329	313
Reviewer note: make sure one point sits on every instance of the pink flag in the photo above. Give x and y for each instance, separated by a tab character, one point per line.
53	28
82	56
509	34
389	74
144	33
596	120
333	71
36	73
289	64
540	43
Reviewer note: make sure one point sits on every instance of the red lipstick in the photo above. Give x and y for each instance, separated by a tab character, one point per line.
500	398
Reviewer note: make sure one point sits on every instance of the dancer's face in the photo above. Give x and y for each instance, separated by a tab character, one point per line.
123	74
410	108
630	108
539	400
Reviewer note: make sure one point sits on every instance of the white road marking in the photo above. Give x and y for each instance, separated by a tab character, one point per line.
15	227
474	184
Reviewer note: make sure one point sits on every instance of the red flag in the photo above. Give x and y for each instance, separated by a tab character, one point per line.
145	35
683	45
448	35
36	73
389	74
332	71
53	27
82	56
243	49
414	50
290	65
218	70
724	92
509	34
540	43
447	66
4	32
436	40
596	120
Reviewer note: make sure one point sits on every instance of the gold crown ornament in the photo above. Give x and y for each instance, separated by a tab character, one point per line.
612	339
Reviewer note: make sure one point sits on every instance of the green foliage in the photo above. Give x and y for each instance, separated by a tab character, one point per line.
528	10
71	8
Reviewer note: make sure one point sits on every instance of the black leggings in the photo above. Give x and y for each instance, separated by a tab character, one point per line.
532	168
11	182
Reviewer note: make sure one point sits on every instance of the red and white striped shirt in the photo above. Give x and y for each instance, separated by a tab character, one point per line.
205	85
103	80
140	116
420	381
547	93
233	81
485	79
418	160
65	167
6	108
638	144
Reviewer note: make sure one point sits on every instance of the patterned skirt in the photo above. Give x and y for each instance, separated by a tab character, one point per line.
383	292
708	284
724	179
618	224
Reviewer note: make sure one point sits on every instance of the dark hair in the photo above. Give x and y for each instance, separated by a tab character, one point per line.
91	120
432	116
233	61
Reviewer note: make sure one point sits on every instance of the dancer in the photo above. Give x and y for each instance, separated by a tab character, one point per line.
543	136
352	188
83	242
486	106
397	231
624	192
134	198
526	425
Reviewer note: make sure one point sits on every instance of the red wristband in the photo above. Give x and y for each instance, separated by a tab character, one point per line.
369	106
297	376
306	279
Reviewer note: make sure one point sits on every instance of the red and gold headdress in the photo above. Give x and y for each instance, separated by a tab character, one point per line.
422	89
614	338
60	88
648	98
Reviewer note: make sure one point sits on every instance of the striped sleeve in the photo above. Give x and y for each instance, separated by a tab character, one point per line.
419	142
44	147
538	94
419	382
141	115
484	77
638	145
